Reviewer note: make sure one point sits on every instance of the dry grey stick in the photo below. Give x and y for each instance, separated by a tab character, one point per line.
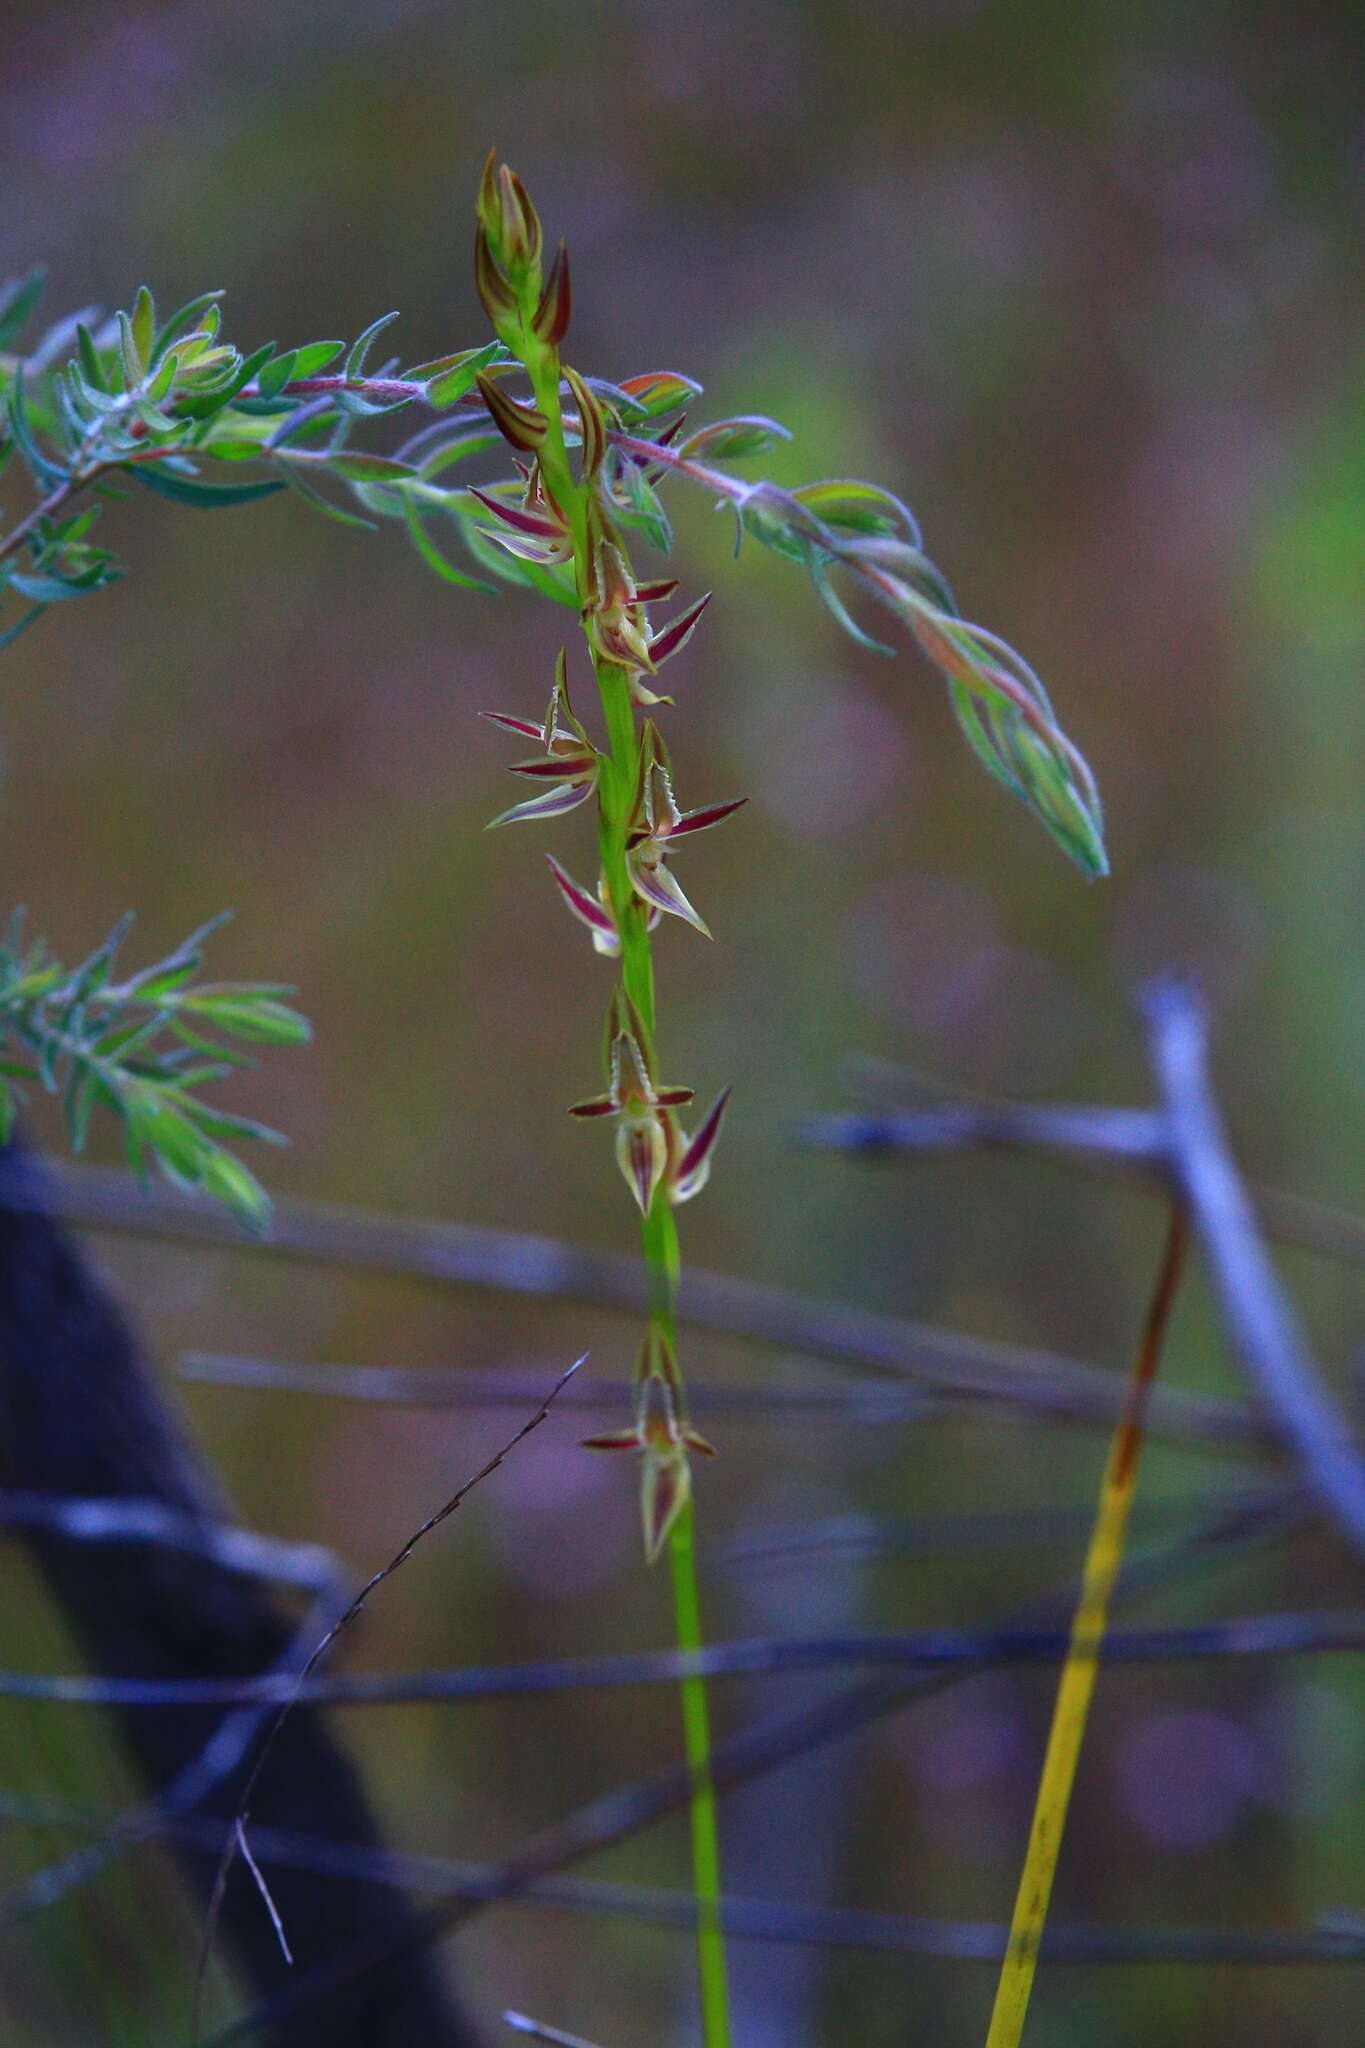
516	1262
1262	1326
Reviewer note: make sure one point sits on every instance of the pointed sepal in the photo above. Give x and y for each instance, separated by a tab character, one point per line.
672	638
589	910
694	1167
655	884
550	803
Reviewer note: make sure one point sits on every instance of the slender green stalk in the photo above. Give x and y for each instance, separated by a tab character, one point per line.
618	783
1077	1684
706	1879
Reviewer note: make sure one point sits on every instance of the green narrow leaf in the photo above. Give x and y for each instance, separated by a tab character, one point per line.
366	468
260	1019
355	361
237	1188
313	358
133	365
448	380
434	559
272	378
182	321
92	369
143	325
206	405
45	590
659	392
297	482
19	297
207	497
859	508
749	434
44	471
8	637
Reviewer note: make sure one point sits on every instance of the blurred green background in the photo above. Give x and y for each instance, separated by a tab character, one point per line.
1083	284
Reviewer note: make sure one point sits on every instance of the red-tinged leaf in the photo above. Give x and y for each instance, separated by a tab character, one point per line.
695	1165
552	803
521	426
656	593
709	814
521	725
537	525
673	1098
859	508
613	1440
592	425
695	1441
550	321
747	434
660	391
678	632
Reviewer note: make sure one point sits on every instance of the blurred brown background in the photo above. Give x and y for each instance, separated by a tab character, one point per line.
1084	286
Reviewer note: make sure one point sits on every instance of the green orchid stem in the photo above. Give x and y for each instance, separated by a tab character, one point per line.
617	782
706	1881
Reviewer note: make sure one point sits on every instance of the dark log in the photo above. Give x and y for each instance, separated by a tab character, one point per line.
80	1416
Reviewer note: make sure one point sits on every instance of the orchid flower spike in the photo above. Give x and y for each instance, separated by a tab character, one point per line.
646	1134
593	911
533	528
655	823
569	761
663	1435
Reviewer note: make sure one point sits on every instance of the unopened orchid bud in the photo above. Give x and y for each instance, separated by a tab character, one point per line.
569	764
521	426
495	291
646	1136
655	823
550	321
663	1435
592	426
509	222
614	617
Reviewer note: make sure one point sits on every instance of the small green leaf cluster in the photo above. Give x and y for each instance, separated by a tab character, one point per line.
143	1048
101	404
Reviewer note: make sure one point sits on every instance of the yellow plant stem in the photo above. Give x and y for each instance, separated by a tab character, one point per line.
616	796
1074	1693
